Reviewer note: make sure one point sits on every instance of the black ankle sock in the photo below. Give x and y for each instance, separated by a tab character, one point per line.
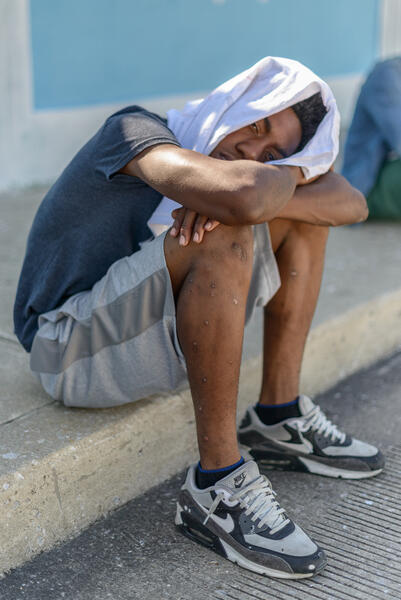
270	414
205	478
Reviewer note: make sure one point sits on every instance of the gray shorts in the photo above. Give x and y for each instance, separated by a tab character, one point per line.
118	342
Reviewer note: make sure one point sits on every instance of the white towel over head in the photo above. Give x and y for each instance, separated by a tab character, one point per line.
270	86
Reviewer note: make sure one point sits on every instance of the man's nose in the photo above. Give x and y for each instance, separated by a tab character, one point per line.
250	149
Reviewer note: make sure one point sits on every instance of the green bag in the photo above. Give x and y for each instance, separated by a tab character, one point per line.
384	200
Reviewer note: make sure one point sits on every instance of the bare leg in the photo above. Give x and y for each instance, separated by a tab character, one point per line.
210	283
299	250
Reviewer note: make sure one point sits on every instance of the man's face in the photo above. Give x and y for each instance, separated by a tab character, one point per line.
272	138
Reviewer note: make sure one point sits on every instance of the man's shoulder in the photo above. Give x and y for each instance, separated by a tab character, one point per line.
136	126
138	112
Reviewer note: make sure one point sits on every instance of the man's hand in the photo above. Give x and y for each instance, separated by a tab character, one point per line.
188	224
303	181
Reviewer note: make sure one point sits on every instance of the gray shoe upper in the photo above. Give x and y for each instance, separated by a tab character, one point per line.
243	506
307	434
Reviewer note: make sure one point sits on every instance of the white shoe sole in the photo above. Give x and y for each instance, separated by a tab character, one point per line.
319	468
310	466
235	557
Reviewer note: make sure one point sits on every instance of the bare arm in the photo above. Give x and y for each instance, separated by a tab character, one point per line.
231	192
330	200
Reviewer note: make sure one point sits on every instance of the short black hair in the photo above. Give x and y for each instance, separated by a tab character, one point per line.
310	112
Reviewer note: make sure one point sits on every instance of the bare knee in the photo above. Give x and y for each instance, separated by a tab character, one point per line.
296	234
233	242
227	250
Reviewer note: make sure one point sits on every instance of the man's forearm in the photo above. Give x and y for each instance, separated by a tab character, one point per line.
236	192
330	200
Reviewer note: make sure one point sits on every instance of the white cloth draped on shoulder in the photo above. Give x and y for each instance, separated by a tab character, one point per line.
270	86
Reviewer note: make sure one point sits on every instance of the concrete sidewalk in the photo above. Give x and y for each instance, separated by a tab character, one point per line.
60	469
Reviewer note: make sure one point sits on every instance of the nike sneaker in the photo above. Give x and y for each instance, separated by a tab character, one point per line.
240	519
309	443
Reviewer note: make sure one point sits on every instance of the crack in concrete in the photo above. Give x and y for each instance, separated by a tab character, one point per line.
28	413
57	489
83	477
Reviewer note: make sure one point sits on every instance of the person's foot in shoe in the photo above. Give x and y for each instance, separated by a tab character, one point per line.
298	436
239	518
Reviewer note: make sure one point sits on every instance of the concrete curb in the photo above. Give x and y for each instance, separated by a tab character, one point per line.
49	500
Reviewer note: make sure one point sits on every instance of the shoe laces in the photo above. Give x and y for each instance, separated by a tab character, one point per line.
259	501
317	421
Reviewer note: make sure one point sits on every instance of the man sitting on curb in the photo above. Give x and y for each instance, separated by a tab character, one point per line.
108	322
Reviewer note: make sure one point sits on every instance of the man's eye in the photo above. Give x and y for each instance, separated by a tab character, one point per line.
254	127
269	156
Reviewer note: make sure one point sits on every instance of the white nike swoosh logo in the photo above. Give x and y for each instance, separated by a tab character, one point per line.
305	446
227	523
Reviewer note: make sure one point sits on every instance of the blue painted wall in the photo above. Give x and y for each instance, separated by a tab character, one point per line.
89	52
